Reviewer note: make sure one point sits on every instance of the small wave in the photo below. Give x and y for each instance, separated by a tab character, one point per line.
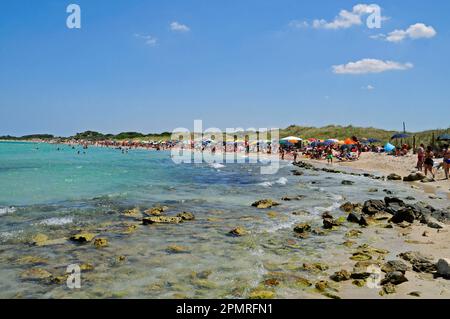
320	210
7	210
266	184
57	221
8	235
216	165
282	181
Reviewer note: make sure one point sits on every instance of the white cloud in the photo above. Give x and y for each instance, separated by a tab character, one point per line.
366	66
368	87
298	24
178	27
415	31
347	19
148	39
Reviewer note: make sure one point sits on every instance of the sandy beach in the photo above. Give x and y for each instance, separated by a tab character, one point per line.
380	163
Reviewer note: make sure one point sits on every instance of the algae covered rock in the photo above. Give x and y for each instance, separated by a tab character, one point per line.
155	211
261	294
39	239
176	249
100	242
265	203
302	228
238	232
35	274
161	220
186	216
82	237
341	275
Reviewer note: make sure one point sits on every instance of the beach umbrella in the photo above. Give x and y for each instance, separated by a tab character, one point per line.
312	139
389	147
399	136
444	137
291	139
373	140
331	141
349	141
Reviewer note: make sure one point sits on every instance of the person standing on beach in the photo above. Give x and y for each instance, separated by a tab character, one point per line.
420	157
447	162
429	162
329	155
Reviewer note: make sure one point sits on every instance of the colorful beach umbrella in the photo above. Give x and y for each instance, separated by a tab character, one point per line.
291	139
349	141
331	141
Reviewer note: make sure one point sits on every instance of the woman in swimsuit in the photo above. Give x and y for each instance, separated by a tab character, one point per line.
446	162
420	157
429	162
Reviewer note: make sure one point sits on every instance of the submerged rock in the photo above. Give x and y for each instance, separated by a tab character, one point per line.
238	232
341	275
265	203
329	223
186	216
161	220
353	233
291	198
314	267
388	289
35	274
82	237
176	249
322	285
261	294
155	211
302	228
346	182
100	242
39	240
135	213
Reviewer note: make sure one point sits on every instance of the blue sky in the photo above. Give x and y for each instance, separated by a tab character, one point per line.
152	66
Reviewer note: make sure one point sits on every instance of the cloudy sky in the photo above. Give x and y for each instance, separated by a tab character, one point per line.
152	66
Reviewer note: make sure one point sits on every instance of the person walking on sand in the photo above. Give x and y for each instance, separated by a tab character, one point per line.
329	155
295	156
429	162
420	157
447	162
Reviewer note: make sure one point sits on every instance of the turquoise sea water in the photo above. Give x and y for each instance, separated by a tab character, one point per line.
60	192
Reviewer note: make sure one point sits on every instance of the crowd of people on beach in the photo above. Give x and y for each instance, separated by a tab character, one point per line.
428	158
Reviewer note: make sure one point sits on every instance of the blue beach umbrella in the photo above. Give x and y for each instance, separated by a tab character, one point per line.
444	137
389	147
399	136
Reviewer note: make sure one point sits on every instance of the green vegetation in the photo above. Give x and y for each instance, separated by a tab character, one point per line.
326	132
343	132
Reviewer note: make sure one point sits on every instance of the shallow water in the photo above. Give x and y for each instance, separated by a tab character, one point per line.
43	190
